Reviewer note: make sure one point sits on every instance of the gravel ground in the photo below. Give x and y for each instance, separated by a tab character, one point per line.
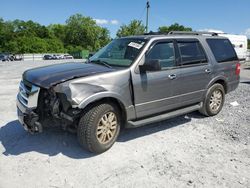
185	151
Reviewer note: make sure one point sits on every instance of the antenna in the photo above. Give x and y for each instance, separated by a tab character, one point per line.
148	6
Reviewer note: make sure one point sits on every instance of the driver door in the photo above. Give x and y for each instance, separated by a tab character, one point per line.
154	91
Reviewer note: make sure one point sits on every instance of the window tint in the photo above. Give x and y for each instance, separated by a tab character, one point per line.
164	52
222	49
191	52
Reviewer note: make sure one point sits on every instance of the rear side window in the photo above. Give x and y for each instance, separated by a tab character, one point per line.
191	52
222	49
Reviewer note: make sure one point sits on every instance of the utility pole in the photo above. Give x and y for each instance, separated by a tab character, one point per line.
148	6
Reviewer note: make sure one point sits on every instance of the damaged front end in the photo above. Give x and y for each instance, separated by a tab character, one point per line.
38	108
57	95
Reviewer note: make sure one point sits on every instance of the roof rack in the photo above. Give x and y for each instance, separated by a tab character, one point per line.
192	33
153	33
182	33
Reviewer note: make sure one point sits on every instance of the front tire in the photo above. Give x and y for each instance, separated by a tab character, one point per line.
99	127
214	100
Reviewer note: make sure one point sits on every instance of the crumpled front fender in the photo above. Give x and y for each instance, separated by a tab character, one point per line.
76	93
83	91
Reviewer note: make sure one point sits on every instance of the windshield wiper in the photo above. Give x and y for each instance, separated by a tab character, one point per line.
101	62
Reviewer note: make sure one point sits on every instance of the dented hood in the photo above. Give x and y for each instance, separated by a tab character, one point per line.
51	75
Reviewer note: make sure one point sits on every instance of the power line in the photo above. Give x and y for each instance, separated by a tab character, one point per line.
142	13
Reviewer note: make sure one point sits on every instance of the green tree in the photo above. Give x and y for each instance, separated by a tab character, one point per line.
6	33
1	33
104	37
135	27
30	28
84	32
34	45
24	37
73	48
54	45
173	27
248	43
29	45
58	31
78	33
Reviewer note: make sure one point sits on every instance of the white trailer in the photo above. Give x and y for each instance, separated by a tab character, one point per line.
240	44
248	55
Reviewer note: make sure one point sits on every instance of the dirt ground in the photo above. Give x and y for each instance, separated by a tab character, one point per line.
187	151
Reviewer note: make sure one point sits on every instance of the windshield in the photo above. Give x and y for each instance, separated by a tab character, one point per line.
119	52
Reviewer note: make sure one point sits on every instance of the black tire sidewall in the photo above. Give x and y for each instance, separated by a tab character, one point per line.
95	142
89	135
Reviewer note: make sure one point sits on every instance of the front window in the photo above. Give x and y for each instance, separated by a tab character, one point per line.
120	52
164	53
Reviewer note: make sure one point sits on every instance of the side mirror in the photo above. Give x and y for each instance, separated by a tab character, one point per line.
151	65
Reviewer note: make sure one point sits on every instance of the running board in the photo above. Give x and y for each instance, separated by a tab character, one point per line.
161	117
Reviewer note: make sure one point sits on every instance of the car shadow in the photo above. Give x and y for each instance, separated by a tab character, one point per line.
53	141
245	82
130	134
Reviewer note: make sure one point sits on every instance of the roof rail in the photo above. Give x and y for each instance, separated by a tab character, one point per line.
153	33
192	33
183	33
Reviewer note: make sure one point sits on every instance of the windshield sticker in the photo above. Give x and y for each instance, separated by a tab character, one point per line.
135	45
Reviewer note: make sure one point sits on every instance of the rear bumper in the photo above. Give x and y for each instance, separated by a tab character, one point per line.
28	118
233	85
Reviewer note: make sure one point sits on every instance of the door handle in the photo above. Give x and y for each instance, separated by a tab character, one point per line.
207	71
172	76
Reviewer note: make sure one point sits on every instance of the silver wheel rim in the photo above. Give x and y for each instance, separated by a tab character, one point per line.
106	128
215	100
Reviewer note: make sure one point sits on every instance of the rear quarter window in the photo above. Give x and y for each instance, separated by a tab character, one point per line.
222	49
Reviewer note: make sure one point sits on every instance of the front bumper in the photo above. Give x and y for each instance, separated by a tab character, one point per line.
28	118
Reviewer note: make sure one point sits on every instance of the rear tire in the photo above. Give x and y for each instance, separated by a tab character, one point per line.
99	127
214	100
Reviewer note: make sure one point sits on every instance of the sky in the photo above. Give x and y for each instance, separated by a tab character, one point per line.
230	16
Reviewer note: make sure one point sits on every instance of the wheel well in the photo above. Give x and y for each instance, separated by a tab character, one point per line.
223	83
112	101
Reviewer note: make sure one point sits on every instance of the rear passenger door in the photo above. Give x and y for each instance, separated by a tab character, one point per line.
195	71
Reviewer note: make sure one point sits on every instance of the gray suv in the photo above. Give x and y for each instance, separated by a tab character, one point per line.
133	81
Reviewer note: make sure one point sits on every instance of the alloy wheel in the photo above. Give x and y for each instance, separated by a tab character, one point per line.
106	128
216	100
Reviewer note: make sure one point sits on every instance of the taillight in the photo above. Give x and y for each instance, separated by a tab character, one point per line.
237	70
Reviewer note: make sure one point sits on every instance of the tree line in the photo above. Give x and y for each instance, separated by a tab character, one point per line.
79	32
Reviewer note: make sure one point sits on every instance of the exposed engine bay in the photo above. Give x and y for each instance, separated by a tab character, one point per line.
54	110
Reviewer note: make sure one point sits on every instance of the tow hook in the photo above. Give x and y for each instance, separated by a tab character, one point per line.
38	127
35	125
